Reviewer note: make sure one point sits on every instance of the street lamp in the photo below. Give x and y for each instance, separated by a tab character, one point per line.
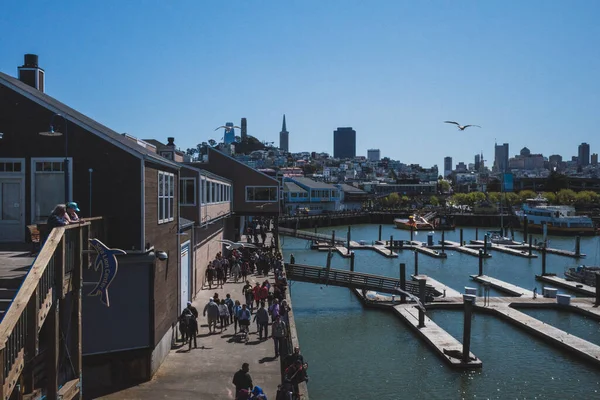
56	133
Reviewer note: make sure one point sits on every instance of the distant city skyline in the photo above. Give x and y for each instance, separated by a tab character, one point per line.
524	71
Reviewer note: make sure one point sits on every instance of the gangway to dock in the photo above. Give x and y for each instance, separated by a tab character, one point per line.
352	279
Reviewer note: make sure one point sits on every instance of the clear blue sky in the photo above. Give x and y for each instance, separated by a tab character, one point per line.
526	71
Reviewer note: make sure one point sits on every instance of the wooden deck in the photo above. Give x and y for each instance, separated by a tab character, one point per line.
576	287
455	246
509	249
438	286
502	286
437	338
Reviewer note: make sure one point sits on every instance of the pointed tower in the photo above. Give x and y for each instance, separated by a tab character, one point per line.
284	137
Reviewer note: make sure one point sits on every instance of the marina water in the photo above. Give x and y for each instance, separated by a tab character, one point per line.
359	353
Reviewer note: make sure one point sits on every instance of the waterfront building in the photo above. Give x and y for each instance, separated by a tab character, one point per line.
501	157
284	137
344	143
409	189
320	196
373	155
447	166
583	155
352	198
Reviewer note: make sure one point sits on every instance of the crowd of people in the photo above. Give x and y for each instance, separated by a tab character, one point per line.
262	304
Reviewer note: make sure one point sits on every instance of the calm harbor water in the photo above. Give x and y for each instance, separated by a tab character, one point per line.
357	353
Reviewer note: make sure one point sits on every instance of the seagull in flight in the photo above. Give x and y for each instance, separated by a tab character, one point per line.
460	127
227	128
229	245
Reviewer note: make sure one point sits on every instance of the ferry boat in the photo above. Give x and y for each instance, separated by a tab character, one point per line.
559	220
583	274
414	222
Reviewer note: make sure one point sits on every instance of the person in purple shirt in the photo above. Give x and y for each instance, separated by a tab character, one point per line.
274	310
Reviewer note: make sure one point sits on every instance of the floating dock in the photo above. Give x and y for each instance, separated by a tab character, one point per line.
508	249
571	343
576	287
343	250
438	286
455	246
441	341
413	246
502	286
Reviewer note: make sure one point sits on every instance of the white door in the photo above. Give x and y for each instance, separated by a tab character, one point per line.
12	222
185	274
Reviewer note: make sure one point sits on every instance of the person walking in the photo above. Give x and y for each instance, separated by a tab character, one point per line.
262	321
212	310
237	309
279	332
242	379
223	314
229	304
248	294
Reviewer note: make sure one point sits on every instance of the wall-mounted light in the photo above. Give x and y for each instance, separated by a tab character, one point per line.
162	255
1	135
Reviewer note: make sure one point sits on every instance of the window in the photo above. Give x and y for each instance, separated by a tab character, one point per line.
204	191
48	186
187	191
166	196
261	193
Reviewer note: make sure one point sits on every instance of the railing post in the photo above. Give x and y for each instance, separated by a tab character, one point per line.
77	279
31	341
59	268
52	350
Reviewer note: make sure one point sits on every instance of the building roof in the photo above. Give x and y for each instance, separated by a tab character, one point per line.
313	184
292	187
351	189
85	122
192	166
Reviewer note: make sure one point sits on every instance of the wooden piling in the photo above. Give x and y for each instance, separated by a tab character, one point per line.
485	242
391	243
597	289
348	237
416	263
422	283
480	262
443	243
411	233
403	282
578	246
476	233
525	229
461	237
379	232
530	244
468	300
333	238
543	258
351	261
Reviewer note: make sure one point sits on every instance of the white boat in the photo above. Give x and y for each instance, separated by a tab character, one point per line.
497	238
582	273
559	220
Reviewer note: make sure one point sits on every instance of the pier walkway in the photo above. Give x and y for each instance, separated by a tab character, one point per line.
438	286
576	287
206	372
455	246
502	286
351	279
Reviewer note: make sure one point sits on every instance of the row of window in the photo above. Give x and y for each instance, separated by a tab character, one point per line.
212	192
262	193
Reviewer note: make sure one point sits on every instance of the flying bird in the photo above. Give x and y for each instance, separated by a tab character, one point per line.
229	245
460	127
227	128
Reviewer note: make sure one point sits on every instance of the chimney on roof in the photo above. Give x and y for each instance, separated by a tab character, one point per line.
171	141
31	74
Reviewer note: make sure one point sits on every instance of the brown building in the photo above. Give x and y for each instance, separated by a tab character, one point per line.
137	192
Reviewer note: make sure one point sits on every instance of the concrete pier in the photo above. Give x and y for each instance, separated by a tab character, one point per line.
502	286
577	287
444	344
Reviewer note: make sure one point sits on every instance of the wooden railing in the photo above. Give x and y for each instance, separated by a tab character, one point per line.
55	272
351	279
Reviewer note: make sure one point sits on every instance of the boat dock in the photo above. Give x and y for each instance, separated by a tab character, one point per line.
412	245
571	343
576	287
343	250
561	252
502	286
455	246
438	286
508	249
444	344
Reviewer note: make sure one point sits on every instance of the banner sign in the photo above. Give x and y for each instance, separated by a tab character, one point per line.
106	260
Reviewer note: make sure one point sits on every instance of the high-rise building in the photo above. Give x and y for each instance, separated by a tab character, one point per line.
501	157
595	159
229	136
447	166
244	129
344	143
583	156
477	163
373	155
284	137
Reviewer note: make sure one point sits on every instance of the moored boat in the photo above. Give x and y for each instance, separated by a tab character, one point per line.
559	220
582	273
414	222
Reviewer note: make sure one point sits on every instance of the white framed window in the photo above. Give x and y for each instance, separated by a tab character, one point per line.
166	196
48	185
261	194
187	191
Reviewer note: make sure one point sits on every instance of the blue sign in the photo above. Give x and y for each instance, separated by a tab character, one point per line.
107	261
508	183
